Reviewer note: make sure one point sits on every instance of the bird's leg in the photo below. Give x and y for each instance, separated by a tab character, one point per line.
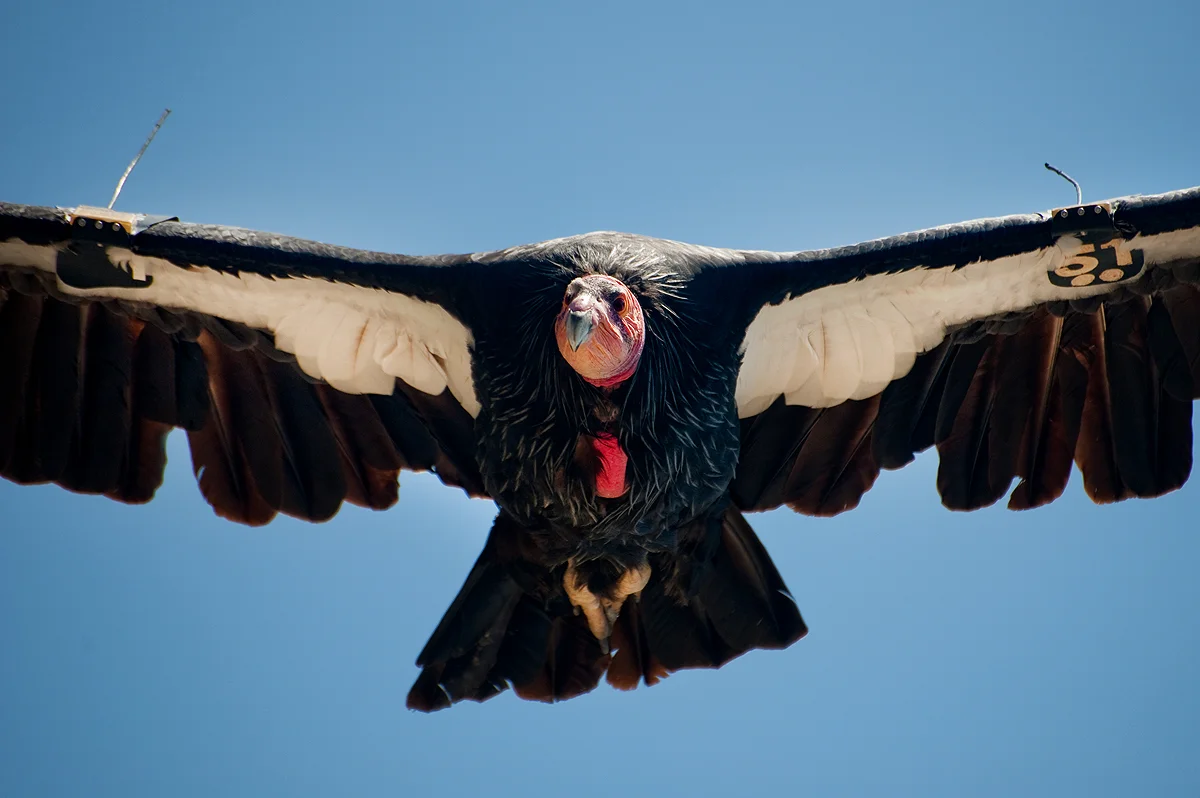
602	611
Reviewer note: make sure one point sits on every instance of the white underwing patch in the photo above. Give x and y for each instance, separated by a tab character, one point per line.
836	343
357	339
17	253
848	341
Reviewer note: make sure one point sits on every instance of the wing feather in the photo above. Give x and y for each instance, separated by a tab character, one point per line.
799	456
94	378
19	318
1182	304
964	476
105	408
991	341
370	463
908	410
1044	462
54	388
1095	452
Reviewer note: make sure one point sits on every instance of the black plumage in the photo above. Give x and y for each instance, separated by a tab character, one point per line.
620	547
19	318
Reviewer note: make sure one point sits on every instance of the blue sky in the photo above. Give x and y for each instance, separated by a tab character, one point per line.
160	651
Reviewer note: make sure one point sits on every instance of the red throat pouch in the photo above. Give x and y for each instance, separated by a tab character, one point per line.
610	476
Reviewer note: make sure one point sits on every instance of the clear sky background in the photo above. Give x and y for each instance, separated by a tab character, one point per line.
159	651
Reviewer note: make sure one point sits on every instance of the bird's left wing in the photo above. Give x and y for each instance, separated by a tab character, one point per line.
305	374
1015	345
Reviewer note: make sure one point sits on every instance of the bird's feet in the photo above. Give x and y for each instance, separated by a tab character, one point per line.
603	610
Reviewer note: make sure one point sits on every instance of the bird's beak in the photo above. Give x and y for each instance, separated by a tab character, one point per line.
578	327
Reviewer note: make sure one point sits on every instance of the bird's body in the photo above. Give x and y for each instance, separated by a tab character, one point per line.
674	419
545	437
622	399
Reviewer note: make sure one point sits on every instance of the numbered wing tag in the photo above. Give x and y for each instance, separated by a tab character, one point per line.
1096	252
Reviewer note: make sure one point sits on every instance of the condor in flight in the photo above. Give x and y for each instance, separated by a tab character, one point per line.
623	400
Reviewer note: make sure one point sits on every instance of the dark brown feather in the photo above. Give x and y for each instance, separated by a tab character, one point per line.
511	623
1133	409
1104	384
57	384
1041	433
154	382
43	441
747	602
1168	351
1021	382
1048	445
836	465
1002	406
90	389
191	385
370	463
960	377
20	316
221	471
574	663
144	464
1094	447
410	437
718	599
908	408
1174	444
313	483
1182	304
238	388
632	661
771	442
452	428
105	405
964	448
818	461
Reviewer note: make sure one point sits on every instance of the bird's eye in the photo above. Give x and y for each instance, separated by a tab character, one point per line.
618	303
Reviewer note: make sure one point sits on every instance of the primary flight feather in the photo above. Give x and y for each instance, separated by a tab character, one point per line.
622	399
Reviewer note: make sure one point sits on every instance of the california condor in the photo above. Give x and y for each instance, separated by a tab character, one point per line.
623	399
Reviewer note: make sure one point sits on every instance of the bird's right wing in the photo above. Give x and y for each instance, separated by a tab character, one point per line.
1015	345
305	375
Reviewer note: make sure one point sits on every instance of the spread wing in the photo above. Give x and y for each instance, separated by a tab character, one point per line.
305	375
1016	346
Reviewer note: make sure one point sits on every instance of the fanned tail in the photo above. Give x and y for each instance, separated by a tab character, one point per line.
512	625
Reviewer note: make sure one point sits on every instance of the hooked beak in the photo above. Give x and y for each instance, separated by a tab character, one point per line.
578	327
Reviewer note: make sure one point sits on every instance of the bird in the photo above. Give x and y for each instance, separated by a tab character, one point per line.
624	400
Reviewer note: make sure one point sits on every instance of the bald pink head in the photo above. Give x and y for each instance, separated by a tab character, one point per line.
600	329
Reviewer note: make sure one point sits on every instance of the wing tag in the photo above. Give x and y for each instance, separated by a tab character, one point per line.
87	259
1082	218
1100	255
101	220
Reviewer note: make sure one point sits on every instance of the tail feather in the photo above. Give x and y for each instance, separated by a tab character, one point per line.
719	607
633	662
572	661
511	624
